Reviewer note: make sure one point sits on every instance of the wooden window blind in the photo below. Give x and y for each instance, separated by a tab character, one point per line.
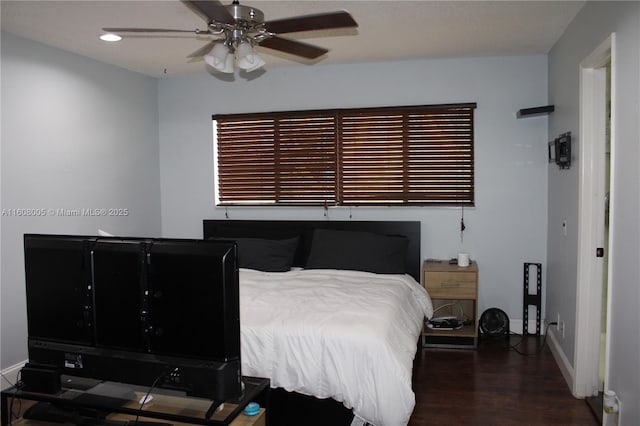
417	155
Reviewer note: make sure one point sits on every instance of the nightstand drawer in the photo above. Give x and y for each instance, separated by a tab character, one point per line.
462	285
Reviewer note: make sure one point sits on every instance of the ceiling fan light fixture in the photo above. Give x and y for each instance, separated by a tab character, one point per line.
218	57
260	62
248	59
229	67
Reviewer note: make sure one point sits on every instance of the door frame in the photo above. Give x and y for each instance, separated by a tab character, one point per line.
589	295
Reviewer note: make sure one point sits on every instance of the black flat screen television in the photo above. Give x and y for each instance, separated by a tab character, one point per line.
162	312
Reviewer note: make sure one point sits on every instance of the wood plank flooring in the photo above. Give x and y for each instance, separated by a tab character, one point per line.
494	385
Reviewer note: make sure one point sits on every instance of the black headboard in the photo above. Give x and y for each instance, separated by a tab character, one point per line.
280	229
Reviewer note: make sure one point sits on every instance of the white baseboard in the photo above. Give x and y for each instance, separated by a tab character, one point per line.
563	362
10	375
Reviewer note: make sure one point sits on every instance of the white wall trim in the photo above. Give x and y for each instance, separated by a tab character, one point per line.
591	220
561	359
10	375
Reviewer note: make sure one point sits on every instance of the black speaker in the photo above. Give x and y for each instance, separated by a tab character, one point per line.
40	379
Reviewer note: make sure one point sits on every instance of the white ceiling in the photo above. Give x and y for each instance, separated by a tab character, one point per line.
388	30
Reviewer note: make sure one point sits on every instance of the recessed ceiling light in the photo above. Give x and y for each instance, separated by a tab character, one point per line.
110	37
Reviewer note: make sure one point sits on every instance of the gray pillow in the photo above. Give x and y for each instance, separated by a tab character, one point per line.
265	254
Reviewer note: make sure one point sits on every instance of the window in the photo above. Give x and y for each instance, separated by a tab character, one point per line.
416	155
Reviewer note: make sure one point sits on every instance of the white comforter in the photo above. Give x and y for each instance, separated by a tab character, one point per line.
346	335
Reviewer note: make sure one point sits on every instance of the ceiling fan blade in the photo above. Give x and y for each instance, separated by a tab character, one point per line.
294	47
212	10
321	21
152	30
203	50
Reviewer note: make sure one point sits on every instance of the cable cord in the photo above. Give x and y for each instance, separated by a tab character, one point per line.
452	304
540	347
145	398
18	385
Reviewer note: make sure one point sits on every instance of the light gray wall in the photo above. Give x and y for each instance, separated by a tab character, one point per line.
505	229
76	133
592	26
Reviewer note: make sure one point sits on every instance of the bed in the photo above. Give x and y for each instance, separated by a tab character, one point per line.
331	312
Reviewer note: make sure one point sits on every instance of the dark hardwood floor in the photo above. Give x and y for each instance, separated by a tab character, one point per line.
494	385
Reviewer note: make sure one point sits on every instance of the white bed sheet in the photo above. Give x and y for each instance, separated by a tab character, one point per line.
346	335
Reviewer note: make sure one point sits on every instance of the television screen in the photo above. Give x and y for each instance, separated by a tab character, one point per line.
58	277
132	310
187	303
117	272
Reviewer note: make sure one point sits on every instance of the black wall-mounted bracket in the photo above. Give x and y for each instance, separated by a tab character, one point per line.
531	112
532	299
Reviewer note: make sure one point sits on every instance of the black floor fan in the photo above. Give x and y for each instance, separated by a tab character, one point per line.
494	323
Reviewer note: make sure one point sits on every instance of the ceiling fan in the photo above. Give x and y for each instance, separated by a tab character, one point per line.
238	29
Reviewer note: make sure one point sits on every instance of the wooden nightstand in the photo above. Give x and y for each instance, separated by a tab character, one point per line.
454	292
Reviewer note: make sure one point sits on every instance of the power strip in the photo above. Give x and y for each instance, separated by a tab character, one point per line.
445	323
